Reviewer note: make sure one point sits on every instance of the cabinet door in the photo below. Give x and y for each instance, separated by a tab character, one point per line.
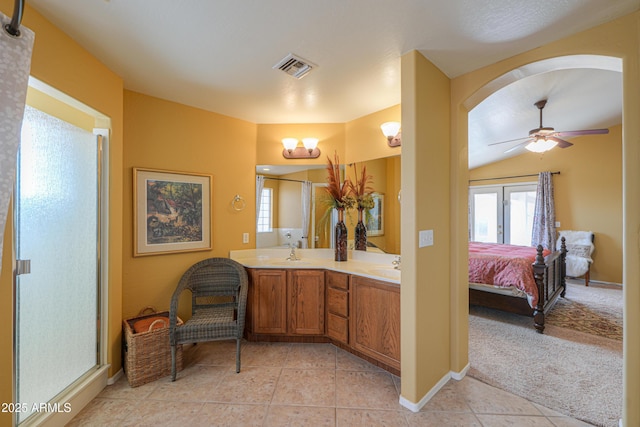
375	319
306	302
269	301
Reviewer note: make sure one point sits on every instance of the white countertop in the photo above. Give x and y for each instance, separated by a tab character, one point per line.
373	265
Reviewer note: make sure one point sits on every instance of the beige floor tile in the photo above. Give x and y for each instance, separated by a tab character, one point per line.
311	387
311	356
447	399
485	399
251	385
348	362
152	413
265	354
441	419
229	415
369	418
193	384
514	420
122	389
300	416
360	389
217	353
103	412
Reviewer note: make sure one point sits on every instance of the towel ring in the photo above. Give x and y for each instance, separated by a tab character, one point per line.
238	203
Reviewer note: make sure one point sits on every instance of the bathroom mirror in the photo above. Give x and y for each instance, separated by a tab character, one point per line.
281	222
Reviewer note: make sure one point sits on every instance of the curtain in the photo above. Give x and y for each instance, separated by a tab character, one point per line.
15	64
544	217
306	212
259	188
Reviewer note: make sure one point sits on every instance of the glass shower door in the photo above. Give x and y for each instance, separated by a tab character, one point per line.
57	222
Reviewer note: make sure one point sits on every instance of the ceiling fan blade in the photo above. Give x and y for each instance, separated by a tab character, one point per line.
510	140
561	142
582	132
515	147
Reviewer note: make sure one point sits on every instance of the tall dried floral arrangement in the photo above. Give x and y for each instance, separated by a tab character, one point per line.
361	190
339	191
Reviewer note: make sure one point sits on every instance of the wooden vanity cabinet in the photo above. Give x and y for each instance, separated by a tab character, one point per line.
306	302
375	319
286	302
267	302
337	316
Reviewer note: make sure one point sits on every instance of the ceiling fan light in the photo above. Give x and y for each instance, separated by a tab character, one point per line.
540	145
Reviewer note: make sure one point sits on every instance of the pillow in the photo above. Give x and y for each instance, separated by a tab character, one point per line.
582	251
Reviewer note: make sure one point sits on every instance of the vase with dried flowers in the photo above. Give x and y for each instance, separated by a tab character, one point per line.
361	191
339	199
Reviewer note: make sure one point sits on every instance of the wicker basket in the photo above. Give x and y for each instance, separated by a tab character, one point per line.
147	355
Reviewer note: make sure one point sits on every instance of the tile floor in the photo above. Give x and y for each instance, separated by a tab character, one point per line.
300	385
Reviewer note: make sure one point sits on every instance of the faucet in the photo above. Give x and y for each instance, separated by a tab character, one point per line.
292	247
396	263
292	254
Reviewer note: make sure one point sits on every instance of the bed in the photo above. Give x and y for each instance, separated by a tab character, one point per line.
517	279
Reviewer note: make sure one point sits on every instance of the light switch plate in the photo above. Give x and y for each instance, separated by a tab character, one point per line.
425	238
245	237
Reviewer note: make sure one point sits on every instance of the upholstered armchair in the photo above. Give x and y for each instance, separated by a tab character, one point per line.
579	249
218	289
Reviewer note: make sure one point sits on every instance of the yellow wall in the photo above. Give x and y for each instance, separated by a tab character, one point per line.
365	140
587	193
61	63
619	38
169	136
425	314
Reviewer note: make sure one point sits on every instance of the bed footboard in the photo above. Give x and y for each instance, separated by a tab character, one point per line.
550	276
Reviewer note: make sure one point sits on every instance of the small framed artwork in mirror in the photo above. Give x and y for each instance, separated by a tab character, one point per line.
375	216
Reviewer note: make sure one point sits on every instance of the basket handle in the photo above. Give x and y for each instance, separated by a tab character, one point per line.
163	321
149	308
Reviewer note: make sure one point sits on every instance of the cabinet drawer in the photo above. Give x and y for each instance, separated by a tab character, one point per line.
337	302
337	328
337	280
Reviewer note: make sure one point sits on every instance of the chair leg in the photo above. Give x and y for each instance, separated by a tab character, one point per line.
173	362
237	355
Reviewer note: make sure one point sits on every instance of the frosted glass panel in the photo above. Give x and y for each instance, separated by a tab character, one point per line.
57	230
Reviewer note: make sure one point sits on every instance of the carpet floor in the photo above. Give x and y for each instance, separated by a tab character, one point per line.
574	370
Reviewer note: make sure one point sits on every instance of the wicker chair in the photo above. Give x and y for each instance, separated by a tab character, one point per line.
219	299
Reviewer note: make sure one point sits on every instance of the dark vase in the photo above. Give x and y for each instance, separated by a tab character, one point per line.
341	237
360	233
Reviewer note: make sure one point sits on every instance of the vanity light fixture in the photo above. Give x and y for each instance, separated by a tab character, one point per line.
392	131
292	151
541	144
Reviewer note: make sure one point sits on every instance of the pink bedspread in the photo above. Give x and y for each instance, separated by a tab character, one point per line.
504	266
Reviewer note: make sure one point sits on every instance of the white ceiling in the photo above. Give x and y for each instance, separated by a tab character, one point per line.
218	55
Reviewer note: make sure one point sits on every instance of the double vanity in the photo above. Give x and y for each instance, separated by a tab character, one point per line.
306	296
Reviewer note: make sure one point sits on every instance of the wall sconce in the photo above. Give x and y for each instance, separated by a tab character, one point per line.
392	131
292	151
541	144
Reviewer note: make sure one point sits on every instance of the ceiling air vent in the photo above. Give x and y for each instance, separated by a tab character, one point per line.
294	66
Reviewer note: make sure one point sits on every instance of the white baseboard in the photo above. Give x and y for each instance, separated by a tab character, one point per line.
114	379
458	376
415	407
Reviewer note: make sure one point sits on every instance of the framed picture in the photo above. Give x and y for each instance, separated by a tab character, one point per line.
171	212
375	216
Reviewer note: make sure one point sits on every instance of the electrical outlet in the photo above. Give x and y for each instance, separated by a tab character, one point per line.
425	238
245	237
557	224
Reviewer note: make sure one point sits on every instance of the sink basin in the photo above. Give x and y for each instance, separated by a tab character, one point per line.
389	272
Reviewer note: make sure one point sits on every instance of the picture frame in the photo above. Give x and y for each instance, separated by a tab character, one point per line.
171	211
375	216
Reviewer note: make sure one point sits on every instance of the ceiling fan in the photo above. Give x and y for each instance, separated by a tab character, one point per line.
544	139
